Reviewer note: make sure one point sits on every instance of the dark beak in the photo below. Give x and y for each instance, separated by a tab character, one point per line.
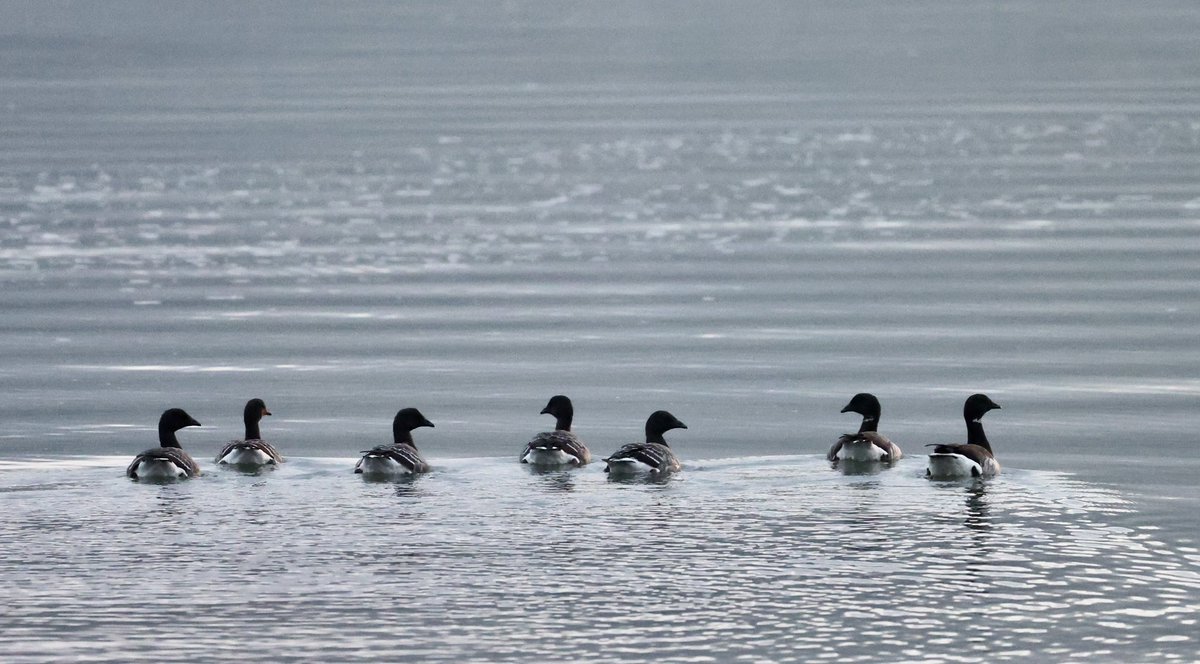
426	423
546	411
266	412
193	423
995	406
682	425
846	409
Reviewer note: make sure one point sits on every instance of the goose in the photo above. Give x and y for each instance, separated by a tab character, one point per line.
559	447
868	444
973	459
251	450
653	456
401	457
168	461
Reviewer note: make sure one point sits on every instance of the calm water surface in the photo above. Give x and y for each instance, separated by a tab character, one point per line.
744	216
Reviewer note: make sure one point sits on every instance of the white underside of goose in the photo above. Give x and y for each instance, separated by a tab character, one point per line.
242	456
383	466
158	469
860	450
548	457
957	466
629	467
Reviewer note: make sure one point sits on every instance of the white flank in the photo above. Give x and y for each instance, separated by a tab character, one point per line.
158	469
382	466
860	450
952	466
628	467
246	457
543	457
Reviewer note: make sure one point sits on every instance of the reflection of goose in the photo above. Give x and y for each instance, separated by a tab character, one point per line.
554	479
974	459
401	457
168	461
978	513
868	444
252	450
559	447
652	456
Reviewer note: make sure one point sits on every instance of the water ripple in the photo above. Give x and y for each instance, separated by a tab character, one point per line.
777	558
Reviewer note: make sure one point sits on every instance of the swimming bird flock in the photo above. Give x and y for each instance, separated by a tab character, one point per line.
561	447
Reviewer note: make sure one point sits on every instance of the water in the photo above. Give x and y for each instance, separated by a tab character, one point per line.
742	216
763	558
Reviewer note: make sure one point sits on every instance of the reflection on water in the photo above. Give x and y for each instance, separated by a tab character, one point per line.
848	467
553	479
251	470
976	516
775	558
640	478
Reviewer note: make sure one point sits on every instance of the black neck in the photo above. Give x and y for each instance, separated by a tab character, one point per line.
252	429
564	422
870	424
975	435
656	438
166	438
402	437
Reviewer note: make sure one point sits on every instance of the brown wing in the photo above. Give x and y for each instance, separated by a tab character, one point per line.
891	450
651	454
252	444
973	452
564	441
405	455
173	454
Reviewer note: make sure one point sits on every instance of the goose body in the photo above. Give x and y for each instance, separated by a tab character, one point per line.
164	463
864	446
868	444
961	461
168	461
401	458
251	451
653	456
559	447
975	457
398	459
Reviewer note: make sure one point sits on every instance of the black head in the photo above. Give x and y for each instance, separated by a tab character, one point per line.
255	410
408	419
174	419
660	422
558	406
976	406
864	404
562	410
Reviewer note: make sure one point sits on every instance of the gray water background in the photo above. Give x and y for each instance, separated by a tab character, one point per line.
743	213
